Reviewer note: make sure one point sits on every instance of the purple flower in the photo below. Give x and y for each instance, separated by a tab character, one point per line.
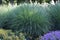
54	35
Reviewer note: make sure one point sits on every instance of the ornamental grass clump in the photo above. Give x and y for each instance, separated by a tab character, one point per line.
30	19
55	16
54	35
3	15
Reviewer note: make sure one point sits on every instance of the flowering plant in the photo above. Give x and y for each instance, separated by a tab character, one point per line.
54	35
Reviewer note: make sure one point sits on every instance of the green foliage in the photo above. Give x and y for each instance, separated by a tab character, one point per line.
48	1
9	35
20	1
30	19
55	16
3	15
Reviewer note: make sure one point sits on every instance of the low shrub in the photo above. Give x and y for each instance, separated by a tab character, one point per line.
29	19
9	35
54	35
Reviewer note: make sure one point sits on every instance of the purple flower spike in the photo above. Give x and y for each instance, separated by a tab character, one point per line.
54	35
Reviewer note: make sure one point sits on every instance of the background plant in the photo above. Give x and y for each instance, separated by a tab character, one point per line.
55	16
29	19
